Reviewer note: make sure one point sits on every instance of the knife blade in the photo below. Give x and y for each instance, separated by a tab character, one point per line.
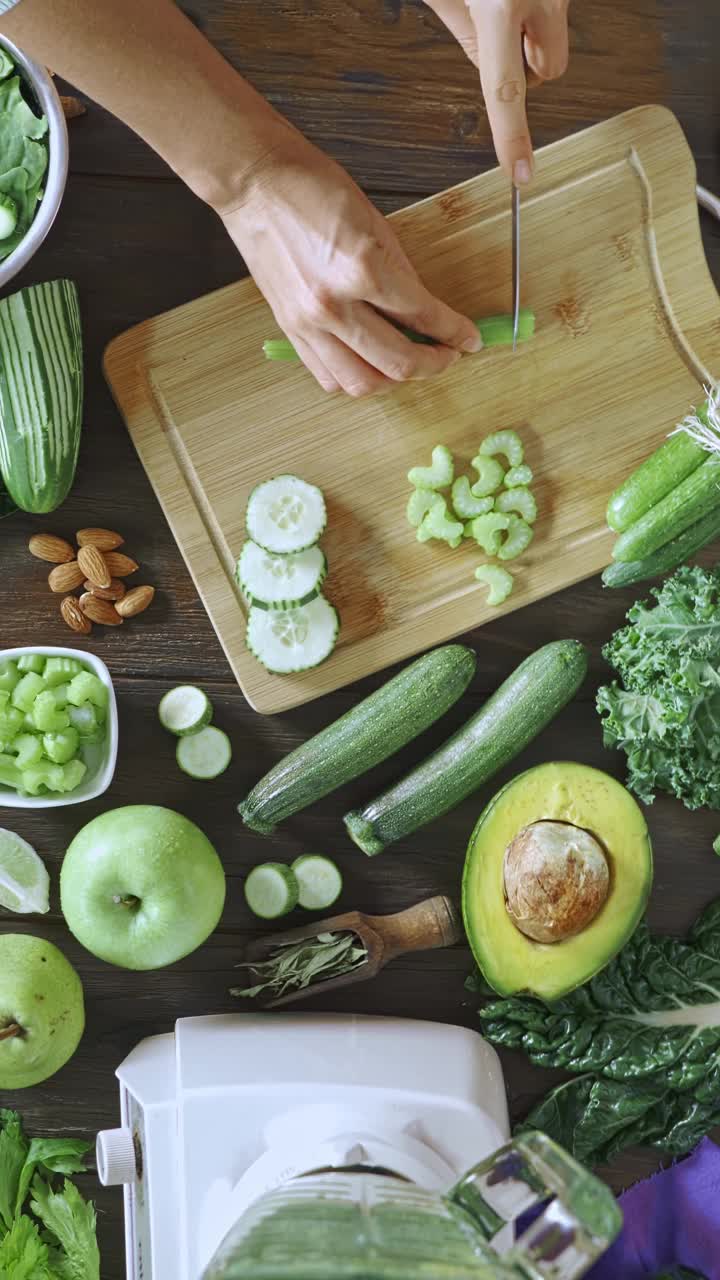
515	263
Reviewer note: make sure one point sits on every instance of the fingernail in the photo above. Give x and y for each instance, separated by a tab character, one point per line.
472	344
522	173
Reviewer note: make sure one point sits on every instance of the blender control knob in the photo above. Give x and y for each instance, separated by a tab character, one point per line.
115	1155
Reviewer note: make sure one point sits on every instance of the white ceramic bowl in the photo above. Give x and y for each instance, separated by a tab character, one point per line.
49	103
100	757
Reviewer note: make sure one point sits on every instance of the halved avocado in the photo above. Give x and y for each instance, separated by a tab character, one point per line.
603	824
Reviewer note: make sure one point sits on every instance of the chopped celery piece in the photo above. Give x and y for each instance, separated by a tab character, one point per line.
438	523
31	662
73	773
487	530
516	476
9	675
506	442
519	536
40	776
490	476
519	500
437	476
85	720
498	580
25	693
10	775
4	699
29	749
60	694
12	721
61	747
47	716
465	504
61	671
419	503
87	687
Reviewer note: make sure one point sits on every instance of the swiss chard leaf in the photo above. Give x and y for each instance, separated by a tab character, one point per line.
664	711
643	1037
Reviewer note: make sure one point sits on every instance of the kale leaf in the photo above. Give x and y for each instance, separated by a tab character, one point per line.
642	1038
664	711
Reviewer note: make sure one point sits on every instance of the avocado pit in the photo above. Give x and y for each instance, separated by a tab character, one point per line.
556	879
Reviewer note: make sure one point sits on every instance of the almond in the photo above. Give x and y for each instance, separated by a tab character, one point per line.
115	591
74	617
102	611
92	563
120	565
136	601
72	107
103	539
45	546
65	577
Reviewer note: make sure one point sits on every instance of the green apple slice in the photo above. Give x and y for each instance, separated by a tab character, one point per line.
24	881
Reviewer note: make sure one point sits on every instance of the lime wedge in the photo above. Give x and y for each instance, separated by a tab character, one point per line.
24	881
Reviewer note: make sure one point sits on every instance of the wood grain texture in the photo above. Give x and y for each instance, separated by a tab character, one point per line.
628	332
137	243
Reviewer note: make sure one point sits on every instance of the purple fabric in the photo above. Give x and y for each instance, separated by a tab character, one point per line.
671	1219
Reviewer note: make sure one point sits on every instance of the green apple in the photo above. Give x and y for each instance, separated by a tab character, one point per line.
42	1012
141	887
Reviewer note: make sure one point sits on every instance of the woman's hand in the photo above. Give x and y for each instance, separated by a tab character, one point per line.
495	35
328	264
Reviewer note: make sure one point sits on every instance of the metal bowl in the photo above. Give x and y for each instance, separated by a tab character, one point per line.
48	101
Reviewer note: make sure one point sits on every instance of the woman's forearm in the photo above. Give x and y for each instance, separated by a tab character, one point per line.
146	63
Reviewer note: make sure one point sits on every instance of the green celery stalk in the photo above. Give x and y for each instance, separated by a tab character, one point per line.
495	331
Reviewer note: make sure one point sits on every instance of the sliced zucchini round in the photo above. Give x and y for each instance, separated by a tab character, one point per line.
287	640
184	710
285	514
271	890
280	582
319	881
204	755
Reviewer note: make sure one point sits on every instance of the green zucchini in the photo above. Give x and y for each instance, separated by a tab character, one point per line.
368	734
690	501
623	573
656	477
41	393
515	714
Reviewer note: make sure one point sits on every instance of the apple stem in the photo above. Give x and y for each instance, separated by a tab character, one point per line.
126	900
7	1033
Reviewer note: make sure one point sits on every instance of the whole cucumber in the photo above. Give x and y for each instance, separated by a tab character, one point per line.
692	500
657	476
515	714
365	736
623	573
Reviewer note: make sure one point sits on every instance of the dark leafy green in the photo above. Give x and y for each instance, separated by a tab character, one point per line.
643	1040
664	711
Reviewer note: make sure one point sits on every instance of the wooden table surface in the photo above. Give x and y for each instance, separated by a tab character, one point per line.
382	86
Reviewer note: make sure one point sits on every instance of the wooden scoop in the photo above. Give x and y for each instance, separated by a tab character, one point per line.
433	923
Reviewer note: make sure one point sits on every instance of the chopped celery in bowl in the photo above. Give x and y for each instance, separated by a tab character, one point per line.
58	727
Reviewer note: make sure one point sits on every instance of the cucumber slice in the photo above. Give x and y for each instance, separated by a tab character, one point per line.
206	754
285	514
271	890
319	881
286	640
185	709
280	582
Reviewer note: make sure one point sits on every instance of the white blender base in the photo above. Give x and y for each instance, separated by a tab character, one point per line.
229	1106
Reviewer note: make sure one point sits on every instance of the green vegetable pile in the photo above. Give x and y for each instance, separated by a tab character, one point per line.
642	1038
23	158
664	712
47	1230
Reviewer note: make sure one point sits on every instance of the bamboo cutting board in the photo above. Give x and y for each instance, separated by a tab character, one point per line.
628	328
